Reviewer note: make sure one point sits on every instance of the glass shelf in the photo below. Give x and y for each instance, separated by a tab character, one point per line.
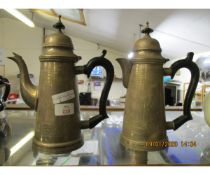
102	145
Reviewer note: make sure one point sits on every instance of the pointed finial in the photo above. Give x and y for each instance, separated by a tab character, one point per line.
104	53
59	25
147	30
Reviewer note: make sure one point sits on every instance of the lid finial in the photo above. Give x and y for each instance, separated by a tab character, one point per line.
147	30
59	25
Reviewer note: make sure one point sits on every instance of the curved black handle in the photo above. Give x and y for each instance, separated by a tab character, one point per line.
87	69
194	70
4	82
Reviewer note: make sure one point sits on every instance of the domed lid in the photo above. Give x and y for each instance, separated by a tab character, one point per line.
147	49
58	46
58	39
147	43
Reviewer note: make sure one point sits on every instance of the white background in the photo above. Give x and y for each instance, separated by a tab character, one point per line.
105	4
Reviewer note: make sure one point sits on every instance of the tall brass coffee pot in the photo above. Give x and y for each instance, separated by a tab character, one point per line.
58	125
144	125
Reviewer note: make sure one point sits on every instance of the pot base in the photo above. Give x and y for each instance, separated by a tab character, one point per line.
57	148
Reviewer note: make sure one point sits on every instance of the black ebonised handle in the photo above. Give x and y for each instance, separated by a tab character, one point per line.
107	65
194	70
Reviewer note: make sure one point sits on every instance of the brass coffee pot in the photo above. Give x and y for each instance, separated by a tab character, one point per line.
144	124
55	100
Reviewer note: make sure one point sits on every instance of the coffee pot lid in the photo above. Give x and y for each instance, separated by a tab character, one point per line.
147	42
58	46
147	48
58	39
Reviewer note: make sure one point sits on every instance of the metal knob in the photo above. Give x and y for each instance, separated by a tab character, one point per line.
147	30
59	25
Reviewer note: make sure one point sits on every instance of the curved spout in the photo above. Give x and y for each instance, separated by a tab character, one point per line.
126	66
29	91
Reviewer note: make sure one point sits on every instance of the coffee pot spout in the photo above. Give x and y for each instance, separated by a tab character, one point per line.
126	66
29	91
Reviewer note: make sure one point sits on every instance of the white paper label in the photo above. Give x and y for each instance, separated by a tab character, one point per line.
64	96
64	109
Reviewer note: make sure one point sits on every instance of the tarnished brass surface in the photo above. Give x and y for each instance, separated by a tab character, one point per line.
60	132
28	91
144	118
50	129
126	66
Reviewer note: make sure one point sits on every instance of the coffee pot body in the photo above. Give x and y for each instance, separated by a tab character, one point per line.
144	123
55	99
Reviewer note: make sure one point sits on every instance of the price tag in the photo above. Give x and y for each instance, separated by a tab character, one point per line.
64	109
